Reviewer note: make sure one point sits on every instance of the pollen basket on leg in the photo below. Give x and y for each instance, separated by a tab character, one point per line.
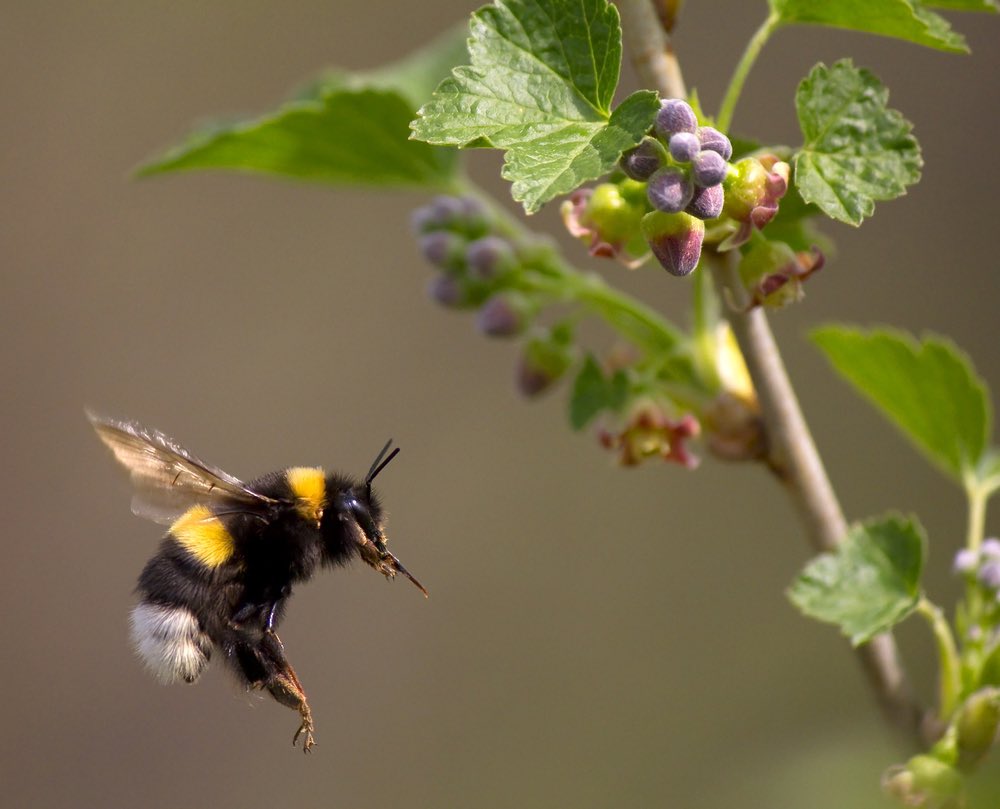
170	642
308	484
203	535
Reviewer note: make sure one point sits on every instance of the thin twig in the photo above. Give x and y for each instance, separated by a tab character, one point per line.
650	49
792	454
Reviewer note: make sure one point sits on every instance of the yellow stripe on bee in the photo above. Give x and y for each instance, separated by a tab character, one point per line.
308	484
203	535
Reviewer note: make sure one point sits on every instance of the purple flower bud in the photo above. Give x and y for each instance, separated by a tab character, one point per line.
502	316
640	163
713	140
443	249
708	168
989	574
707	202
675	239
990	548
446	290
464	214
489	258
966	561
669	190
675	115
684	146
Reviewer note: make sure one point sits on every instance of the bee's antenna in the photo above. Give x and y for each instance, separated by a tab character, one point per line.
380	462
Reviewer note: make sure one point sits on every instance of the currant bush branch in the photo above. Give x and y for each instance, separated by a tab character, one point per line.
792	453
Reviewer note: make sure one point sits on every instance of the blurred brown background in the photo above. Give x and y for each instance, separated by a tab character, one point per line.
594	637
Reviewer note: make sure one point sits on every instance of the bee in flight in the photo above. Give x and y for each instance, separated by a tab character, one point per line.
225	569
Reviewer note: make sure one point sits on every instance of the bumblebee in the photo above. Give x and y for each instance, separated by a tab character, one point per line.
225	569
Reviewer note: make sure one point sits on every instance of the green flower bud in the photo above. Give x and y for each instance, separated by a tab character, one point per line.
774	273
675	239
607	218
546	357
977	726
939	784
753	187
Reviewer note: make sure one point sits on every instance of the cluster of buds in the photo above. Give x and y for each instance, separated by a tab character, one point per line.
936	780
983	565
674	182
482	269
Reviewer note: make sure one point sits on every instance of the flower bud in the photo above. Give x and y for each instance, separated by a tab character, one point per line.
461	214
989	574
684	146
446	290
708	168
640	163
443	249
977	726
607	218
504	315
675	239
545	358
753	187
707	202
990	549
670	190
934	783
774	273
966	562
675	115
489	258
713	140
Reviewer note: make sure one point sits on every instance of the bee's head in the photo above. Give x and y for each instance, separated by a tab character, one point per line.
357	517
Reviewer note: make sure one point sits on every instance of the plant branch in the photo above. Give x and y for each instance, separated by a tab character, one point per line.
793	456
650	48
791	451
951	674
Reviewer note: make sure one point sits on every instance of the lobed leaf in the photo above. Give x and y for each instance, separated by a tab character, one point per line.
989	6
540	85
342	128
856	150
351	137
870	583
902	19
928	389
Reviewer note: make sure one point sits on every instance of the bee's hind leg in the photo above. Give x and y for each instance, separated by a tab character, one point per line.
262	662
284	686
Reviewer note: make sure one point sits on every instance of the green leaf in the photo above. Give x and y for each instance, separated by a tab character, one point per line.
903	19
856	149
347	136
989	6
342	127
540	85
594	392
416	75
928	389
870	583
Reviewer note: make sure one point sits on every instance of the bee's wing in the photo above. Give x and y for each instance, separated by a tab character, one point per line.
167	478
